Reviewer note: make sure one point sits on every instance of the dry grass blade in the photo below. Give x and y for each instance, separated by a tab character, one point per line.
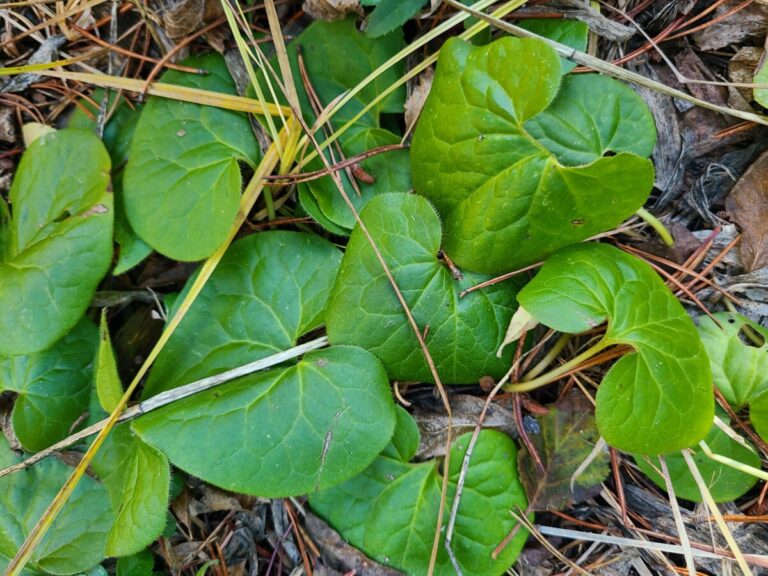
712	505
684	541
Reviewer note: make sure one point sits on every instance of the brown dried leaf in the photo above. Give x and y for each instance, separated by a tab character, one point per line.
466	410
331	10
417	97
747	205
741	70
749	21
182	17
568	437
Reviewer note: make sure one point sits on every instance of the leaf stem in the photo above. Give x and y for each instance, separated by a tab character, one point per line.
549	357
559	372
656	224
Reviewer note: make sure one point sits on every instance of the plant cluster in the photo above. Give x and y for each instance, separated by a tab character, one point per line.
514	160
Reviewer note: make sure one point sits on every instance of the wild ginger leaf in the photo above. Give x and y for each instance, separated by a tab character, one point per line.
476	155
462	334
77	539
724	483
137	478
739	370
390	510
182	183
286	431
58	243
657	399
53	387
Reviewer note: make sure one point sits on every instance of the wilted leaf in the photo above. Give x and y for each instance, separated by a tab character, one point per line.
285	431
59	240
657	399
181	187
462	333
747	204
567	438
53	387
513	156
390	510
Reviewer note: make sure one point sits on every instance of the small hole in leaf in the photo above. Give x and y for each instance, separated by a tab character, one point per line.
751	337
609	153
731	320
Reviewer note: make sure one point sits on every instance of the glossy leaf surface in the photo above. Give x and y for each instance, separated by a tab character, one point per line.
181	187
58	243
476	153
463	333
390	510
53	387
657	399
284	431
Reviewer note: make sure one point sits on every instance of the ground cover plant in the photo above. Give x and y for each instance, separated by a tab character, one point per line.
294	292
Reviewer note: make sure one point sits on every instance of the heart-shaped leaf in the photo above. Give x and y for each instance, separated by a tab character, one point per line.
53	387
58	244
117	136
477	155
657	399
286	431
181	187
77	539
462	333
390	510
724	483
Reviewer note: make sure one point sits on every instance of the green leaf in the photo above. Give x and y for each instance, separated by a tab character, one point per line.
657	399
117	136
285	431
390	510
140	564
739	369
567	439
337	58
571	33
390	15
77	539
761	77
475	153
53	387
462	334
182	181
724	483
391	170
59	239
108	386
137	478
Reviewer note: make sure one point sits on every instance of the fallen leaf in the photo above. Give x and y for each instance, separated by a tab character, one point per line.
417	97
733	28
568	436
747	204
331	10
